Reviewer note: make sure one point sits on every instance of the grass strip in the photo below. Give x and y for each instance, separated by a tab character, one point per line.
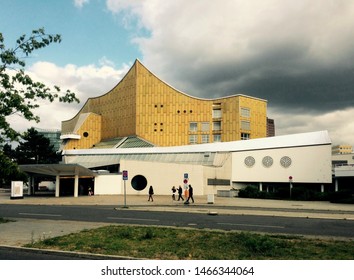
175	243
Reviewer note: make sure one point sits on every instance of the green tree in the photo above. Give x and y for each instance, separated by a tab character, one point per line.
19	93
9	171
35	149
9	152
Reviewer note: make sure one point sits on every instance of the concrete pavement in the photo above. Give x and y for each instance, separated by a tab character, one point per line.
24	231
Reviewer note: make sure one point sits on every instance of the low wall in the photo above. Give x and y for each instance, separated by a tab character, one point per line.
108	184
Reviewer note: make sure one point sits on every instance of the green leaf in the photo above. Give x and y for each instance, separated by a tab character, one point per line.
19	93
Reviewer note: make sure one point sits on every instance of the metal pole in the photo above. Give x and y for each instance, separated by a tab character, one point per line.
125	195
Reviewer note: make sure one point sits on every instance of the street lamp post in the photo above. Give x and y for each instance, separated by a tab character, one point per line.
291	184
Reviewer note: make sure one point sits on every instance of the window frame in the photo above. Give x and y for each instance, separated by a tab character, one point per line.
216	138
191	128
193	139
245	112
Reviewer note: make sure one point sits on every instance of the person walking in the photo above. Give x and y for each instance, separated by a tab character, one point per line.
151	192
190	194
180	193
173	193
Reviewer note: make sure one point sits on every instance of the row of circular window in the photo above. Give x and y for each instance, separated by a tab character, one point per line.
268	161
178	111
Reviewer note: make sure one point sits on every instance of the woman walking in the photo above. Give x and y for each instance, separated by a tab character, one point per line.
151	192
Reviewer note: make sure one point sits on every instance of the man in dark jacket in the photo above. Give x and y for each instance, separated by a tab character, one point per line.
180	193
190	194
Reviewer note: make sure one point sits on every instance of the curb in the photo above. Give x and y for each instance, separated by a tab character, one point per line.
87	256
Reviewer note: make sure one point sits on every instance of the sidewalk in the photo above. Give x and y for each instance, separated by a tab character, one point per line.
24	231
221	205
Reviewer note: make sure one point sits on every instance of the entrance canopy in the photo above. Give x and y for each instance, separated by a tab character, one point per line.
57	169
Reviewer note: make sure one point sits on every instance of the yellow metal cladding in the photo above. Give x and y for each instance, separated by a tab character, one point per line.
89	132
143	105
116	109
163	113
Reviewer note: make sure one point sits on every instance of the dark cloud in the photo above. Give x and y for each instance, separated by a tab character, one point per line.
321	91
283	82
298	55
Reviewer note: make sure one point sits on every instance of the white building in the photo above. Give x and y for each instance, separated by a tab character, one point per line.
297	158
342	149
343	170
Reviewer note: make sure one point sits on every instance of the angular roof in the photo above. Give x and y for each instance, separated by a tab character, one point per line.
140	64
123	142
57	169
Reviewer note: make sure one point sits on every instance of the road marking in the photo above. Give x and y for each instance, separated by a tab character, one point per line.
132	219
249	225
39	214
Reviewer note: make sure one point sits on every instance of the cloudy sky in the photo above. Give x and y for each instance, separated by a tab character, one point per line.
298	55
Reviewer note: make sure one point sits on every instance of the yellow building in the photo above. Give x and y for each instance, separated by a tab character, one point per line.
144	107
342	149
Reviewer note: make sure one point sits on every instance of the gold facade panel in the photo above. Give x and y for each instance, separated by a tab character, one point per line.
89	132
145	106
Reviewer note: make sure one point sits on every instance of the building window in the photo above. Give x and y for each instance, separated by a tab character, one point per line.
205	127
193	139
216	126
245	112
245	125
217	137
217	113
245	136
205	138
193	126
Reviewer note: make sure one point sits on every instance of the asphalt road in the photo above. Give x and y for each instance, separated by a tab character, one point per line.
7	253
109	214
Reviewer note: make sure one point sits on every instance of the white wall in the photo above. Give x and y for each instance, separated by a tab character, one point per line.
344	171
162	176
221	172
344	157
309	164
108	184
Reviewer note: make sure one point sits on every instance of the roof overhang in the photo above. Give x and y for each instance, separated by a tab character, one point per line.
276	142
70	136
57	169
